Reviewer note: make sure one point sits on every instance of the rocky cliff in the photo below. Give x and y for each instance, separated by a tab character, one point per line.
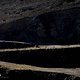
11	10
39	39
55	27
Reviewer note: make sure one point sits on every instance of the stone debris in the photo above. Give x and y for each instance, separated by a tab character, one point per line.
16	9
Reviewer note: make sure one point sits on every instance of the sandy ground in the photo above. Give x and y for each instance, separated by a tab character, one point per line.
41	47
13	66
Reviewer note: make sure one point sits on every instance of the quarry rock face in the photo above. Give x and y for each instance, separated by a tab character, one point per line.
56	27
11	10
39	39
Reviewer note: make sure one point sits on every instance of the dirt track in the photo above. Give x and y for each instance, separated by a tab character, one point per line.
11	67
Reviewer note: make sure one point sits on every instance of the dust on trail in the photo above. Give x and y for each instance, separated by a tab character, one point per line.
13	66
41	47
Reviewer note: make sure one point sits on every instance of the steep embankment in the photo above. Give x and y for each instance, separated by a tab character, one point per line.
17	9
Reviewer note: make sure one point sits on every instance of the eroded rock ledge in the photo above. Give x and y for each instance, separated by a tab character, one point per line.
56	27
16	9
